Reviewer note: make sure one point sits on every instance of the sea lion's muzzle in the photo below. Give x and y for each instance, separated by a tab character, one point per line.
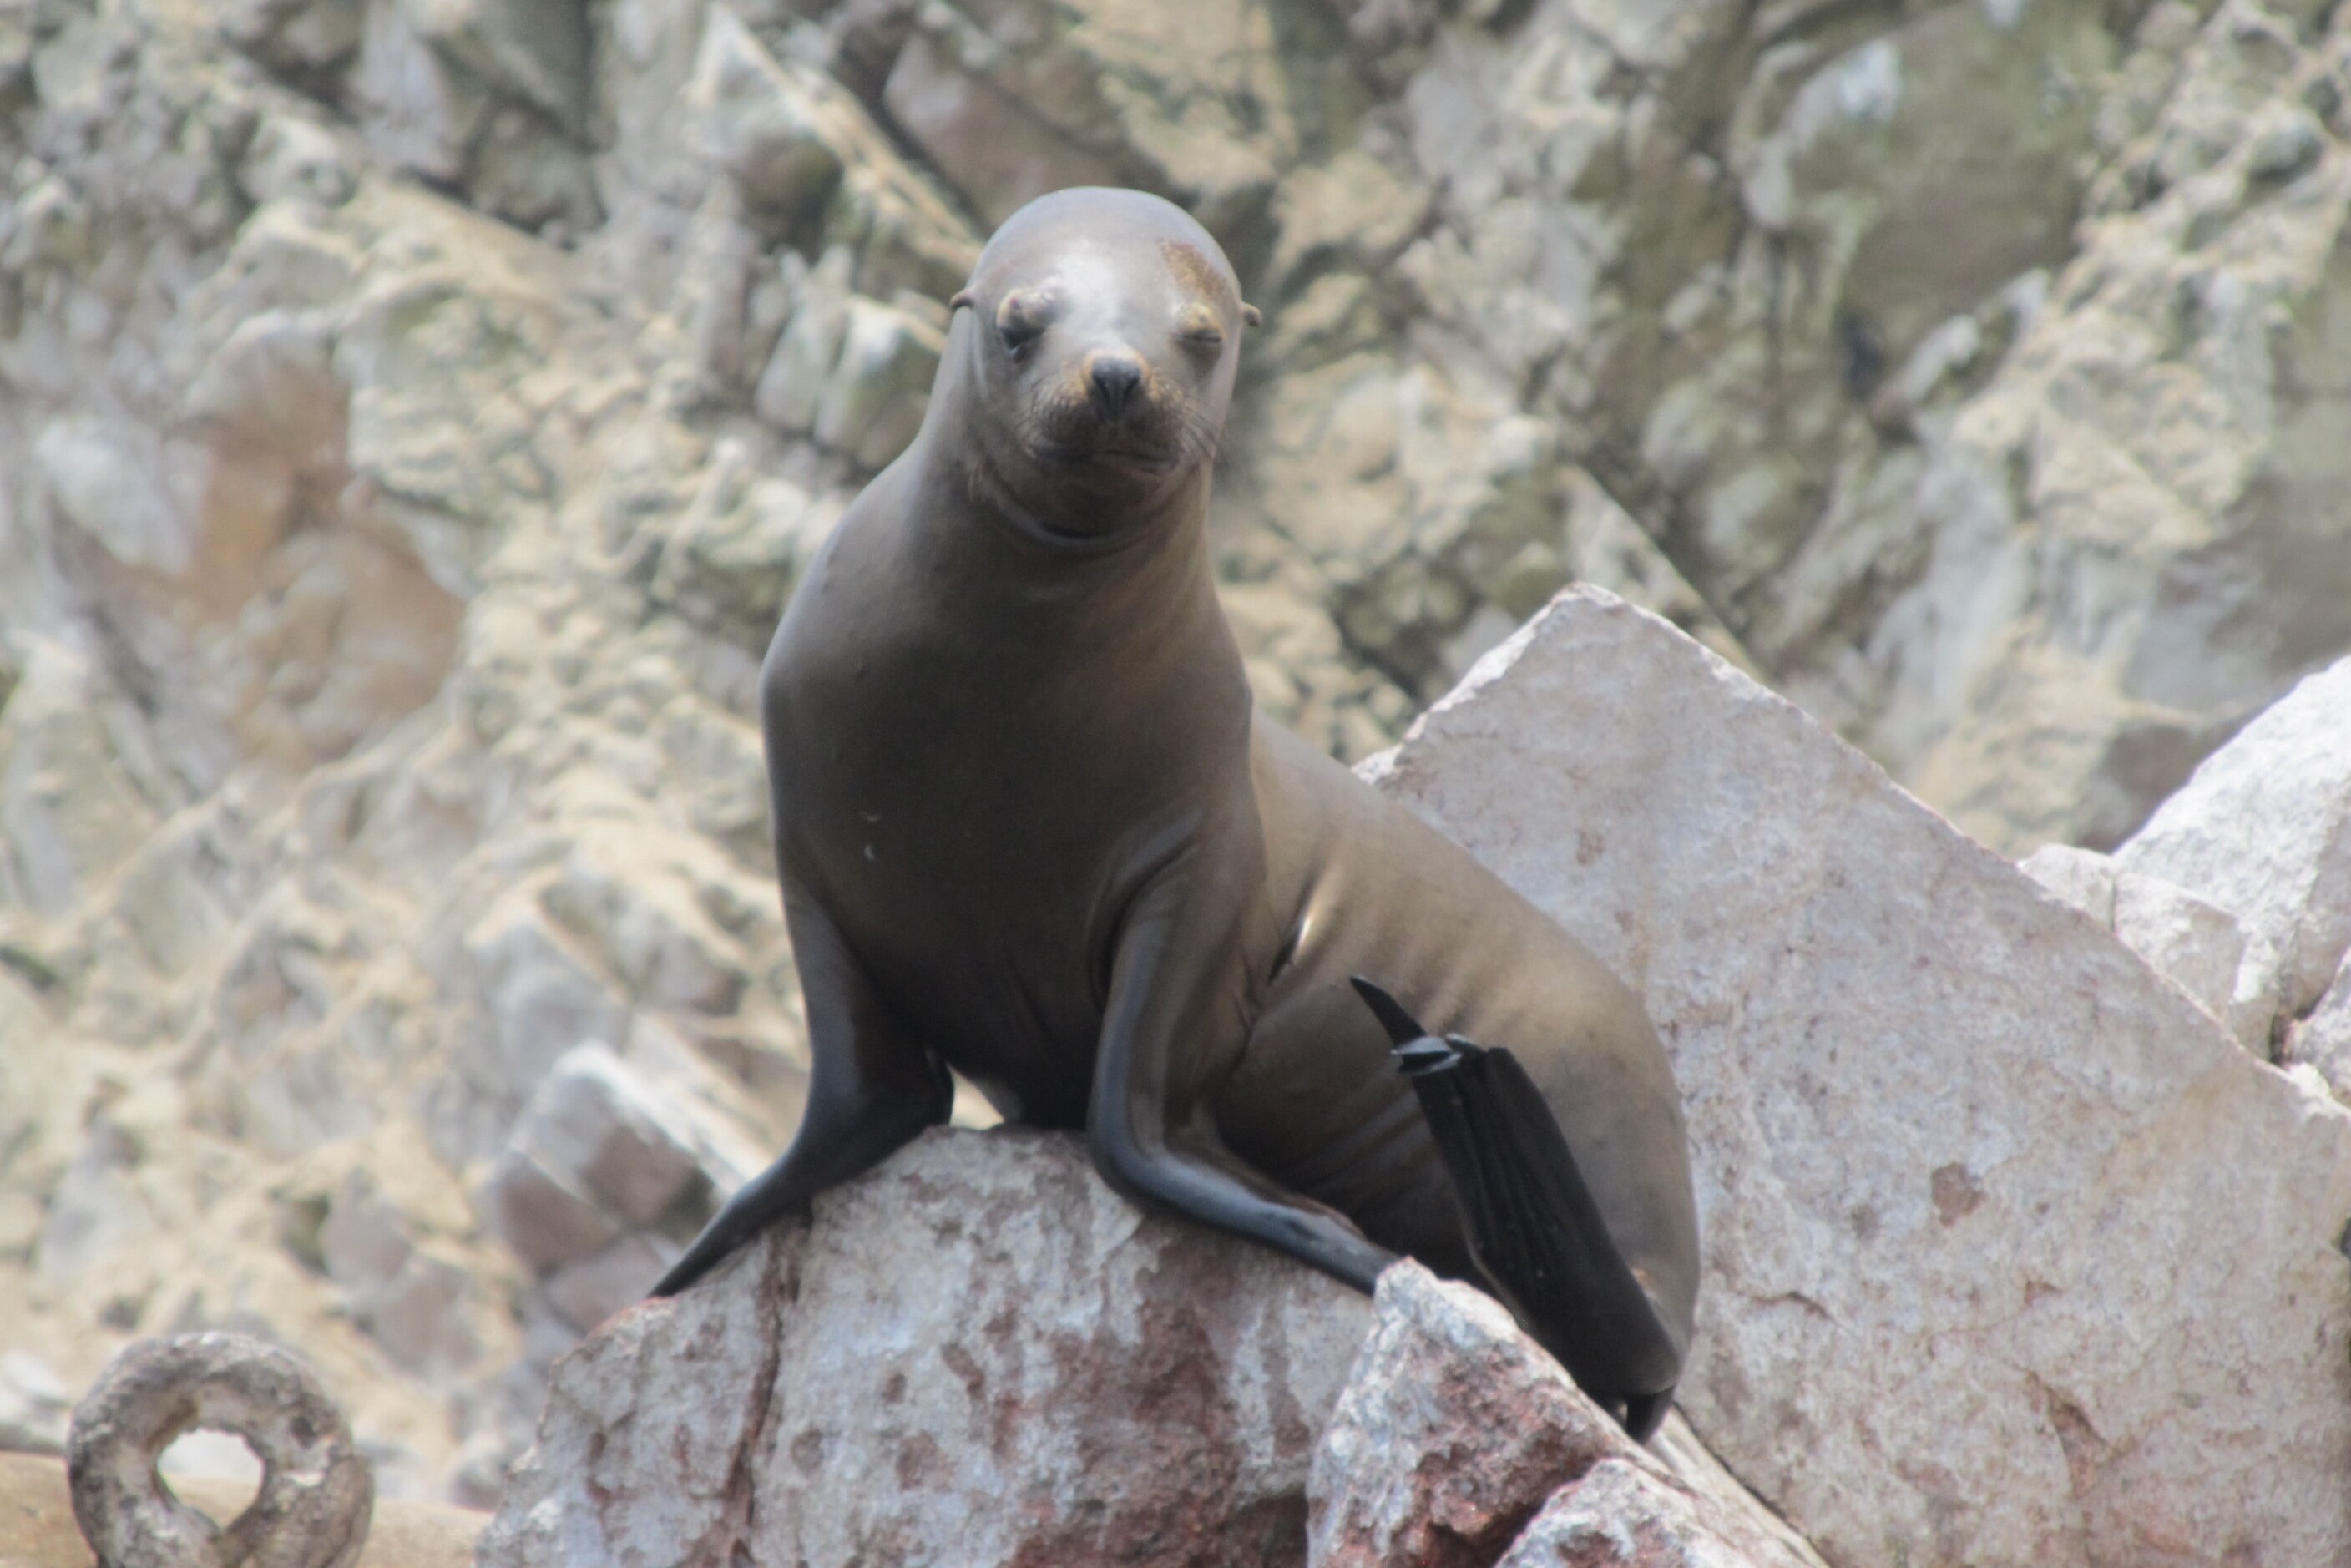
1112	378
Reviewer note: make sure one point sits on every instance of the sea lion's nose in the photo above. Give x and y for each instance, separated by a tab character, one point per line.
1114	377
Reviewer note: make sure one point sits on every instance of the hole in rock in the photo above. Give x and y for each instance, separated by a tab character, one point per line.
215	1471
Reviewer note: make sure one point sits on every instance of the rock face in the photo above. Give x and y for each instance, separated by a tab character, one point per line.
978	1353
413	415
2081	1298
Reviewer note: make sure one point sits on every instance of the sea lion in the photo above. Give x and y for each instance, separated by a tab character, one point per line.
1029	827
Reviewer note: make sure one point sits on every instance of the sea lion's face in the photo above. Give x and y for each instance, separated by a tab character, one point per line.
1104	331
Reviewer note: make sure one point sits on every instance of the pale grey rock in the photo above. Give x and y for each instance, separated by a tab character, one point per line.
792	385
2197	945
586	1292
793	140
2264	830
1010	102
34	1406
72	805
875	394
418	114
542	1214
2088	1190
303	36
2083	878
776	128
632	894
294	159
539	997
596	1121
2323	1038
936	1368
98	1205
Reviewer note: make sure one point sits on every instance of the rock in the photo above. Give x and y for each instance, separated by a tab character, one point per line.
586	1292
2196	945
317	1489
2083	878
793	140
936	1368
1618	1513
72	806
2264	830
1451	1432
1986	1208
539	997
34	1406
2323	1038
1455	1430
595	1122
546	1218
1014	101
767	123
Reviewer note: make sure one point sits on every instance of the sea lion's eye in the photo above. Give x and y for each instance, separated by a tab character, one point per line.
1200	328
1021	319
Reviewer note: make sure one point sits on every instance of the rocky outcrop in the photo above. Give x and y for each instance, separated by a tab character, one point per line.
1458	1443
2083	1299
979	1352
2264	832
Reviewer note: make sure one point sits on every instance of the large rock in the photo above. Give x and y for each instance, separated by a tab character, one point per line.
2195	944
2012	1256
2264	830
977	1354
1455	1430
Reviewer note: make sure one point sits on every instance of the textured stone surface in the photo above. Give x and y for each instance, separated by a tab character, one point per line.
2078	1299
1455	1430
1452	1431
976	1353
1617	1514
316	1492
2196	945
2264	830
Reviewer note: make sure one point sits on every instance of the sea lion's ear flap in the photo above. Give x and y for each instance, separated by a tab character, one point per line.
1251	316
962	298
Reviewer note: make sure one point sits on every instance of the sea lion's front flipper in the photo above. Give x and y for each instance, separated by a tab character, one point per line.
872	1087
1147	1127
1534	1228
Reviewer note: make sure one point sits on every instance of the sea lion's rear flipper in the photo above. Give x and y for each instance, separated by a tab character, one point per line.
1532	1222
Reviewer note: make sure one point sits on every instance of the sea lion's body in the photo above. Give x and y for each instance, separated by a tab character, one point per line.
1030	827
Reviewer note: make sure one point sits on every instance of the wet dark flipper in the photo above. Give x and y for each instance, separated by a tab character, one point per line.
1532	1224
1644	1413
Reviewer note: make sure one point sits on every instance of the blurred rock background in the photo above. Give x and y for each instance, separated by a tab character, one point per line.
413	414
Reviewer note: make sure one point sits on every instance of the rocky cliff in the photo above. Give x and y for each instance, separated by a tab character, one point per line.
412	415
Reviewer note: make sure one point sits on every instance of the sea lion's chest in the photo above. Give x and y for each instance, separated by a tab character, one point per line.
954	822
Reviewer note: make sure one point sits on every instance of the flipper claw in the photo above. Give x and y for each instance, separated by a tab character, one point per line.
1402	1027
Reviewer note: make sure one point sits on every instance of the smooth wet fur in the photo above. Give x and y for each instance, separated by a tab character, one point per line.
1028	826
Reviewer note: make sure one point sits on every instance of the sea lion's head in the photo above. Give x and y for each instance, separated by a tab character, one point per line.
1097	339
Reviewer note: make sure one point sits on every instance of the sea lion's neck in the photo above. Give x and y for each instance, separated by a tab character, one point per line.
1143	574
